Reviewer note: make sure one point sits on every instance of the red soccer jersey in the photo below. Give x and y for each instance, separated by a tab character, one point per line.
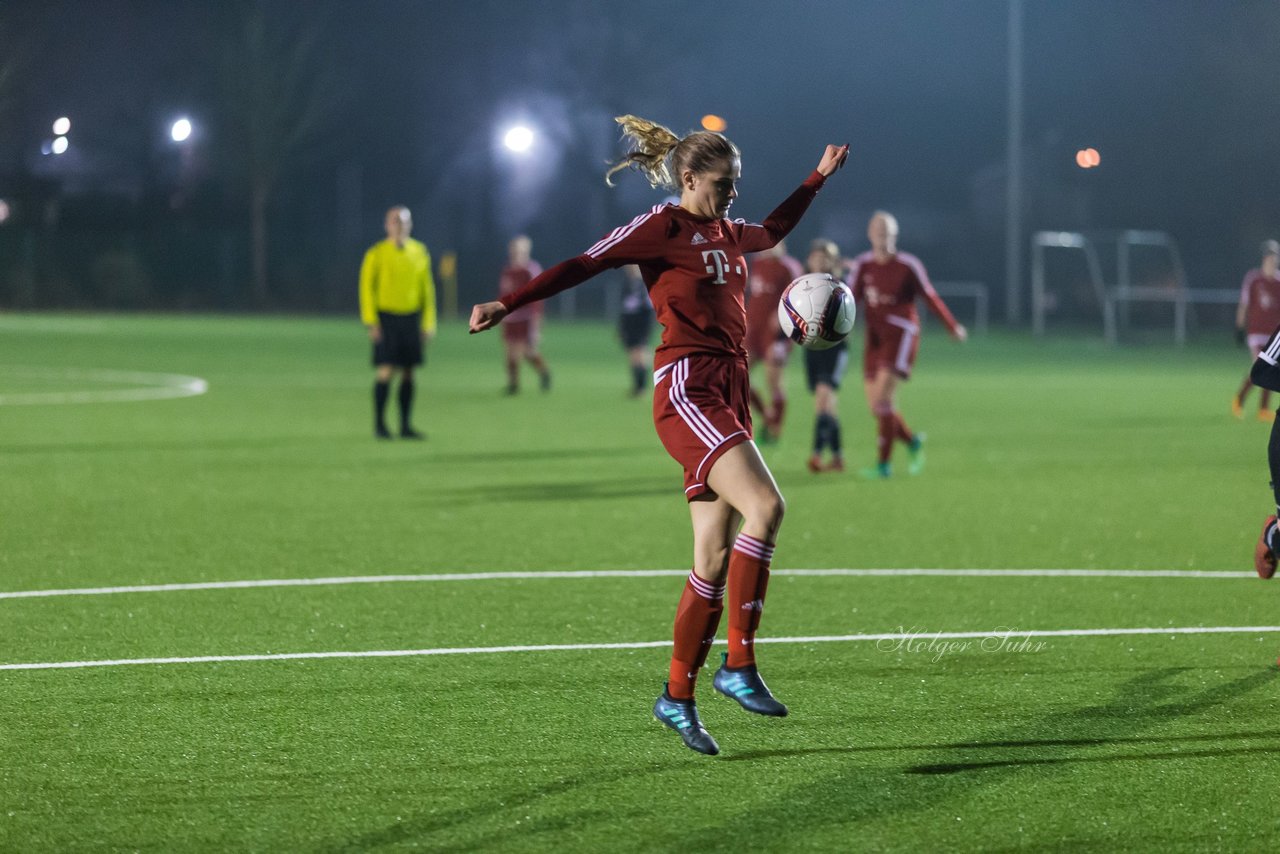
1260	296
770	275
693	267
515	277
889	289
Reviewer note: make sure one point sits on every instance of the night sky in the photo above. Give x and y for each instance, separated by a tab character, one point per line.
1178	96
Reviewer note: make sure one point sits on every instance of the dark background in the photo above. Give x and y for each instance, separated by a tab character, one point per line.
311	118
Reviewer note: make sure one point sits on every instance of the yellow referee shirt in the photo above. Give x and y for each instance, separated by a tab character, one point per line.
397	280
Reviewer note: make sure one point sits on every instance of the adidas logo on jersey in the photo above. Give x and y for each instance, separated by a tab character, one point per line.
697	238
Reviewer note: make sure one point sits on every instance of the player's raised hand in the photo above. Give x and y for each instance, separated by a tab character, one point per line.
486	315
832	159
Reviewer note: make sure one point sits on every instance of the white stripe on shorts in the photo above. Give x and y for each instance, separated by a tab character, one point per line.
689	413
909	332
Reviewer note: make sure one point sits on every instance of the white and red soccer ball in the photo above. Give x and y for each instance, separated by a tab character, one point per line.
816	311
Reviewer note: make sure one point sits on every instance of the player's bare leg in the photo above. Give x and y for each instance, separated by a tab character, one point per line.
533	357
515	355
773	368
742	480
701	604
1237	402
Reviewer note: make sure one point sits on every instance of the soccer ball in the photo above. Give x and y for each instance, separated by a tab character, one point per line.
816	311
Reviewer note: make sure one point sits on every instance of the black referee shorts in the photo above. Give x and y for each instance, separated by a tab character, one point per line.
401	343
826	366
635	328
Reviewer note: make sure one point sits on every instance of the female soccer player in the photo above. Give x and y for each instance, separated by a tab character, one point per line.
886	283
824	369
691	258
771	272
523	329
1256	317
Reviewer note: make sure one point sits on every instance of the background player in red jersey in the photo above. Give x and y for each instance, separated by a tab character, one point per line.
886	283
824	369
522	332
691	258
771	272
1256	318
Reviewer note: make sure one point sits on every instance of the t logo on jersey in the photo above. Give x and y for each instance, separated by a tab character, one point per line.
717	261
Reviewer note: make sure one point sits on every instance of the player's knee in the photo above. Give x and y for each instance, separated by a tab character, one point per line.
767	510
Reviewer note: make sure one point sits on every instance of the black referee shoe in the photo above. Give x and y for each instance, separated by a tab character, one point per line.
682	716
745	685
410	433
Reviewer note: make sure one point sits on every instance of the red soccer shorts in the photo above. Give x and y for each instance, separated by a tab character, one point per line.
891	344
521	332
700	410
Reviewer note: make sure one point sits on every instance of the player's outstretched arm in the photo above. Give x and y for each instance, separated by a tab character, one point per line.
486	315
832	159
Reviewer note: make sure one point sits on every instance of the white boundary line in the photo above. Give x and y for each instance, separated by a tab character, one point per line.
155	386
612	573
493	650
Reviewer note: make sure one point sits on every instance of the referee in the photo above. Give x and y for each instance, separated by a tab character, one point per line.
398	305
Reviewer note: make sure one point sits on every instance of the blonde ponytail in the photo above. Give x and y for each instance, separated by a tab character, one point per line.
653	143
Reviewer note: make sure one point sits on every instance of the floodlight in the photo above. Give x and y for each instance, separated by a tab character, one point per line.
518	139
180	131
61	126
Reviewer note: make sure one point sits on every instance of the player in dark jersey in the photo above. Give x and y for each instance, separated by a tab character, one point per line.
771	272
886	283
824	369
635	324
1266	374
691	258
1257	315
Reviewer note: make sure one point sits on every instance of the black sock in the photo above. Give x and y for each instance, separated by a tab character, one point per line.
380	392
819	434
638	374
406	403
833	434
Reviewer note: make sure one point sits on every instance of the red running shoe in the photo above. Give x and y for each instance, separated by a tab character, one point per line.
1264	560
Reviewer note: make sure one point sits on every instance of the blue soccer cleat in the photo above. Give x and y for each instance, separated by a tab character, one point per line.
745	685
682	716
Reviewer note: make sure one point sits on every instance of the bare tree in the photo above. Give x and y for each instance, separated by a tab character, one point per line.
278	97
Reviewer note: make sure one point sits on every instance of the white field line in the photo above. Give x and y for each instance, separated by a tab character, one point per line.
147	386
1006	636
610	573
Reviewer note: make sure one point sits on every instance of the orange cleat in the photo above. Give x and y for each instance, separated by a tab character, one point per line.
1264	560
1237	408
815	464
1266	416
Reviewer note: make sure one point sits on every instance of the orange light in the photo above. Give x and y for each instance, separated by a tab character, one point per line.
713	122
1092	155
1082	159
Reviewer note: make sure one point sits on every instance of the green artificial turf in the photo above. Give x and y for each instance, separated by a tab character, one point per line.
1060	454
